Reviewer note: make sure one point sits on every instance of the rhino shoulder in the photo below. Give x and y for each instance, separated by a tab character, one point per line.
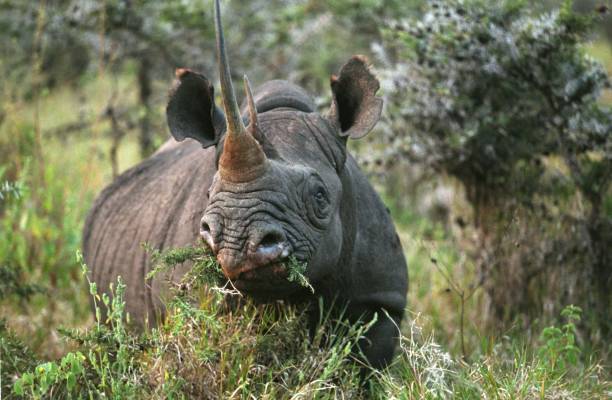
379	272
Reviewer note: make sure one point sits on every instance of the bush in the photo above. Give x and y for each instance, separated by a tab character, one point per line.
16	358
506	102
483	88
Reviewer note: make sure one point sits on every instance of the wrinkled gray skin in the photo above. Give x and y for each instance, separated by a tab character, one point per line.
311	201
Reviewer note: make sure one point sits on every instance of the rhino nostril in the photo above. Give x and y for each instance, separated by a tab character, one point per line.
206	235
272	247
272	239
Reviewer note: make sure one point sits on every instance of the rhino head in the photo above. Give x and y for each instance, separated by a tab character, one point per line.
278	189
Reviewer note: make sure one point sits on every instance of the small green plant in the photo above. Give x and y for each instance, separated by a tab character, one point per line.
205	266
15	356
108	363
200	348
68	370
206	270
559	350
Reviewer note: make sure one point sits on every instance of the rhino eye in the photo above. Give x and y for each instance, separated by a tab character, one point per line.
320	196
317	202
321	201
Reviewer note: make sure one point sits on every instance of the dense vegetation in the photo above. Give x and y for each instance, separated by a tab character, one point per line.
208	349
507	104
494	156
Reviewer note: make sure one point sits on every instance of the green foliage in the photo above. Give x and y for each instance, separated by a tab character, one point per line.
200	350
12	280
507	369
204	349
559	350
107	364
49	374
485	86
506	101
296	271
207	270
15	357
38	234
205	266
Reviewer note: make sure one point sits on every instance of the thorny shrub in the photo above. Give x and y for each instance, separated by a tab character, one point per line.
506	102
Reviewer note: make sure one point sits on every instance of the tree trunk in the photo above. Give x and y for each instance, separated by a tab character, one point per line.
535	260
145	91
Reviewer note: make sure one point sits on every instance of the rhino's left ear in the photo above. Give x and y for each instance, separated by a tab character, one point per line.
355	108
191	111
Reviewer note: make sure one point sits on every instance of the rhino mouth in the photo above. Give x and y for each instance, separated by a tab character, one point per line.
270	279
274	271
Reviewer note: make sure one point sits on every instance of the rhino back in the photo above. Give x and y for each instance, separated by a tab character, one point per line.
159	202
277	94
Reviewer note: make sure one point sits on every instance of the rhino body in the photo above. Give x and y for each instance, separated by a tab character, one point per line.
285	186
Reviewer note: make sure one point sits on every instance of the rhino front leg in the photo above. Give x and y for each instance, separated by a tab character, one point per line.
377	347
379	342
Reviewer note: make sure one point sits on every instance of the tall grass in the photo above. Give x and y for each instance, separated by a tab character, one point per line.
208	348
43	207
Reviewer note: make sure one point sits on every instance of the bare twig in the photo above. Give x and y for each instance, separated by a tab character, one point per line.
463	294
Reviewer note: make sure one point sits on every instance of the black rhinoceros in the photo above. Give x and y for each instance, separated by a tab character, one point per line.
282	186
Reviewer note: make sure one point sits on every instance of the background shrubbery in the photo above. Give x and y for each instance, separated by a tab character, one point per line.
507	104
494	155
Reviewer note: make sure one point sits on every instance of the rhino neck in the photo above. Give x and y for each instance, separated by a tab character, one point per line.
342	275
348	210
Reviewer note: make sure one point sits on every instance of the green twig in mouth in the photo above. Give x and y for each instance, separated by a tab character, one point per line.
205	265
295	273
207	269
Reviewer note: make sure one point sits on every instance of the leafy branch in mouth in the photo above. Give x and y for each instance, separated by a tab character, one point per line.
295	272
206	269
205	266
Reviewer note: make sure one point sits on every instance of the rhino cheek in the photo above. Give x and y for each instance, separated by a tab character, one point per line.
327	254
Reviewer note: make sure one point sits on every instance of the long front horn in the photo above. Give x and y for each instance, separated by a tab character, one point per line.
230	106
242	159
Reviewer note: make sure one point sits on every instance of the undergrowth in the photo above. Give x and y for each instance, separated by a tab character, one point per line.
209	348
204	349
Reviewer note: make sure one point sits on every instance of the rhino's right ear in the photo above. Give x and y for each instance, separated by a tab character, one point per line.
355	107
191	111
